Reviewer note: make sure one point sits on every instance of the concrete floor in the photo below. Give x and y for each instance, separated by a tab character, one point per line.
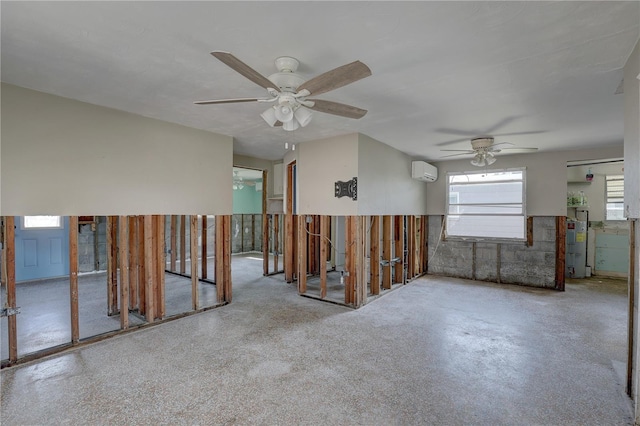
437	351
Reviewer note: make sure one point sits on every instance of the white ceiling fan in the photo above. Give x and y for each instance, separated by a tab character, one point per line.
484	149
289	92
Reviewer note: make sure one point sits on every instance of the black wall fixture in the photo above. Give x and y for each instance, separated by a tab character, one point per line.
347	189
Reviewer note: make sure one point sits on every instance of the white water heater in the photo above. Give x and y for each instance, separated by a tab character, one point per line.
576	251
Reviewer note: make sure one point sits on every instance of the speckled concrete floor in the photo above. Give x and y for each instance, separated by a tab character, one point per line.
437	351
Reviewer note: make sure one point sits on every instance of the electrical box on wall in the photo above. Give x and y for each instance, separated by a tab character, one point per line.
424	171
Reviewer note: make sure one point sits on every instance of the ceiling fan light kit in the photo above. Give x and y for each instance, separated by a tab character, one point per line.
289	91
484	149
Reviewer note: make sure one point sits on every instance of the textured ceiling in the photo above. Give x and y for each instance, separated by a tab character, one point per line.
442	71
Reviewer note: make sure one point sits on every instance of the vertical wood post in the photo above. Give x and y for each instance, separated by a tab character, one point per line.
265	226
142	268
219	257
324	231
161	265
374	255
183	244
149	254
398	235
174	243
276	243
204	268
112	265
123	229
386	252
227	258
302	254
411	244
359	281
193	231
561	235
10	264
133	263
73	278
424	238
348	259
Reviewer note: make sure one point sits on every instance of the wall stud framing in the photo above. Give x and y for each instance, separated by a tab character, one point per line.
174	243
149	254
73	279
324	246
203	268
359	280
276	242
193	240
227	258
424	226
374	255
142	268
302	254
133	262
112	265
386	252
398	234
123	245
183	244
10	263
265	227
160	266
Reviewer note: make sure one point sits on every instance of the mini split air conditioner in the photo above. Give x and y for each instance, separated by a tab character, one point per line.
424	171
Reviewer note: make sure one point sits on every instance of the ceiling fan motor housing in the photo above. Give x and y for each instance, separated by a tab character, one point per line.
481	142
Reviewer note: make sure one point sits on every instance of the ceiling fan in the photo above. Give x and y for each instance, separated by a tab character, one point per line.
289	92
484	150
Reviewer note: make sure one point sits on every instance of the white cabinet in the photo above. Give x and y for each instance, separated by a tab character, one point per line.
278	180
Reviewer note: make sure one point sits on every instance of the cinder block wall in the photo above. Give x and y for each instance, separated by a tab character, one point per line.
510	263
88	250
244	236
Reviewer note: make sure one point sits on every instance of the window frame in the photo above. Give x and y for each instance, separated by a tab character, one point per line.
616	177
448	194
24	227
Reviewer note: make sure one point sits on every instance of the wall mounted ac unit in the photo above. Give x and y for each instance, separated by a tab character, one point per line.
424	171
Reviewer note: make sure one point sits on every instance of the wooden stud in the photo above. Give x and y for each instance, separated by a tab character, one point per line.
276	242
349	263
410	247
227	259
324	246
142	268
183	244
374	255
290	227
302	254
161	266
133	263
155	263
193	233
633	255
149	254
10	263
359	280
386	252
529	231
73	279
123	244
219	258
561	235
204	268
174	243
398	234
265	227
112	266
424	243
311	246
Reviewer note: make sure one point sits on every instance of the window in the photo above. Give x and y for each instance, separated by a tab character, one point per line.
36	222
486	205
615	197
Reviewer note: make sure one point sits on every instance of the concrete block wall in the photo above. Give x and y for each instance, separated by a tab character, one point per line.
242	234
512	263
211	235
88	250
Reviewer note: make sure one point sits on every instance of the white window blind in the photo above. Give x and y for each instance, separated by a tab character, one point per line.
615	197
486	205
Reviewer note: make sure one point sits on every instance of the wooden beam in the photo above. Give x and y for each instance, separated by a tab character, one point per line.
359	281
219	259
112	266
133	263
174	243
290	227
193	233
149	254
73	279
276	242
424	243
161	266
10	266
398	235
204	267
123	245
386	252
410	269
324	246
265	226
302	254
183	244
529	231
561	235
142	269
374	255
227	259
631	333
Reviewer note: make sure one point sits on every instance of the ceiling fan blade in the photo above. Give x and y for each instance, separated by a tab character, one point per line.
453	141
461	153
336	78
522	149
336	108
244	69
459	150
226	101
